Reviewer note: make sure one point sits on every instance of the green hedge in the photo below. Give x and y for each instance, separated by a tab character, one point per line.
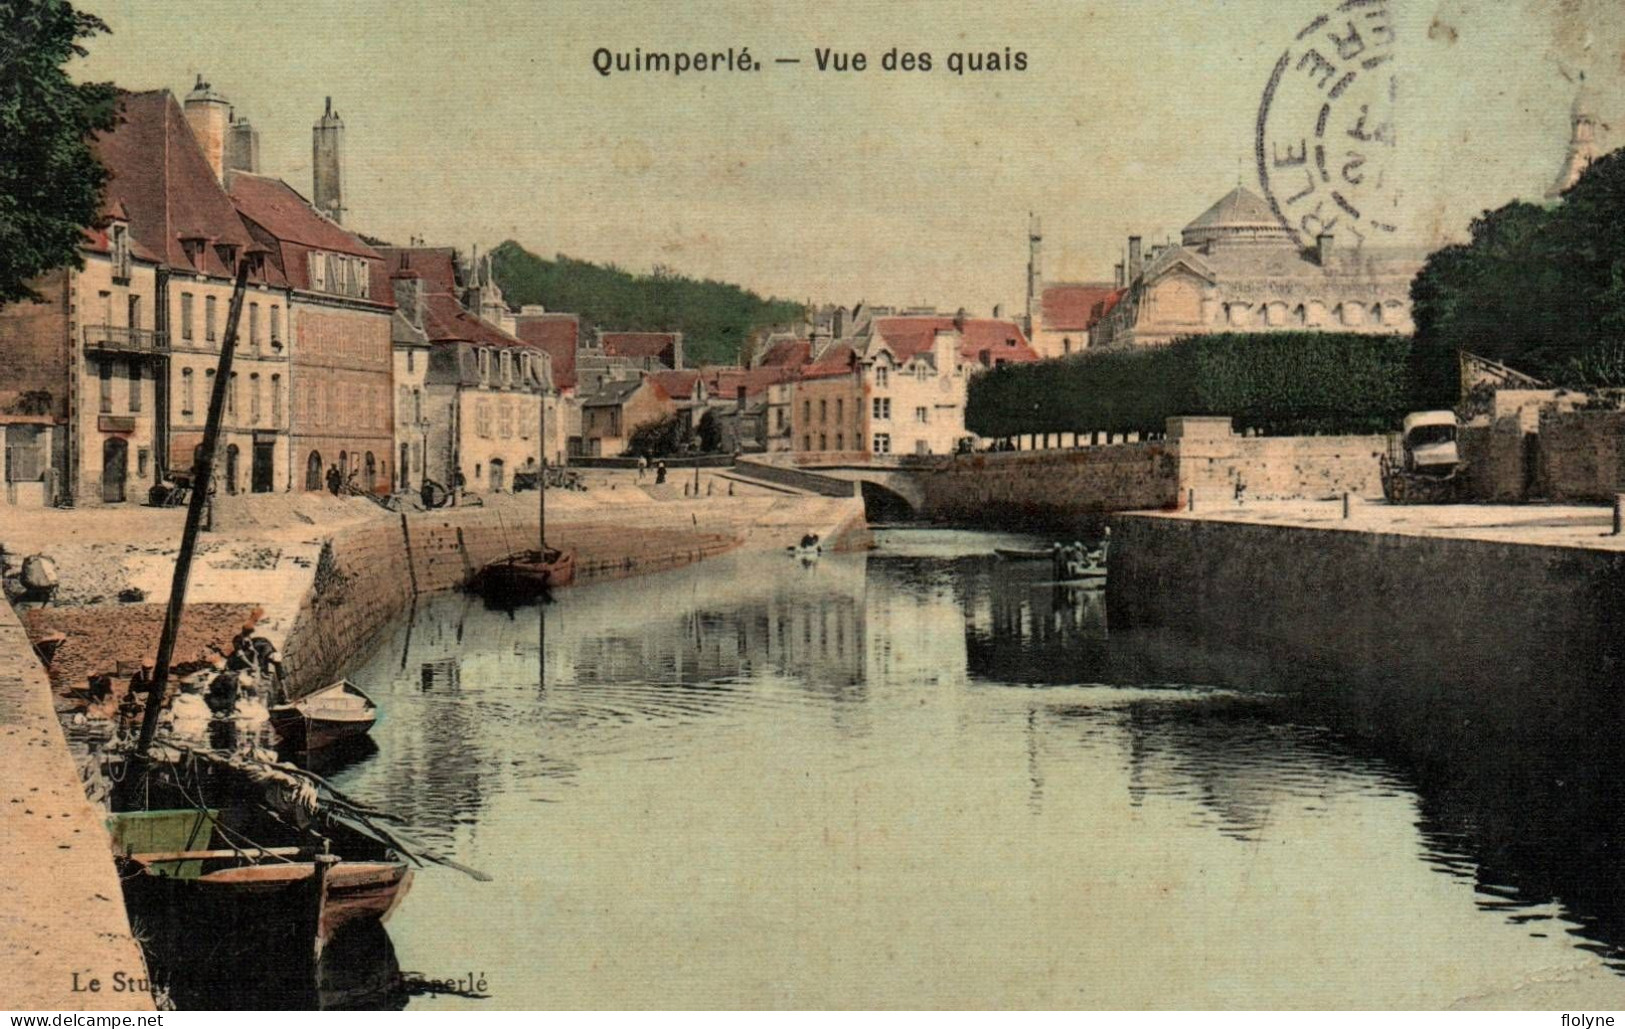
1281	383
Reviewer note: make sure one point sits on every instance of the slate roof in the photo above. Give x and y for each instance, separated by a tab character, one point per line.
615	392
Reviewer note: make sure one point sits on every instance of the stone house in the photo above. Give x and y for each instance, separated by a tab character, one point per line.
409	338
558	335
916	372
826	406
616	409
341	361
121	358
488	395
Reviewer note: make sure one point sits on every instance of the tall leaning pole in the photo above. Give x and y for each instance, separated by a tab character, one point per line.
202	476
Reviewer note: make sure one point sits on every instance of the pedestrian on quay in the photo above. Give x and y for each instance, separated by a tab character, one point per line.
643	466
335	481
660	473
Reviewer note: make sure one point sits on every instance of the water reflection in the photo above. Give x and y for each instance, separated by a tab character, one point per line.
813	784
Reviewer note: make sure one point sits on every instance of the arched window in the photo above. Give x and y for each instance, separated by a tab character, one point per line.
371	473
313	472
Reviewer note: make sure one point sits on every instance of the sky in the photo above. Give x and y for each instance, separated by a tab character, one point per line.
483	120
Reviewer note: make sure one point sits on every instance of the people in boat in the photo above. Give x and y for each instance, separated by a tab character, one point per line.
810	542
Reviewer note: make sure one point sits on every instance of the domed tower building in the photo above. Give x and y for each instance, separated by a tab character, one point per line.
1236	268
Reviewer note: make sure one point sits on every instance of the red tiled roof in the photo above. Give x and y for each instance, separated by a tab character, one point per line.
285	223
1069	306
559	335
724	380
638	344
907	335
837	361
437	265
678	385
161	179
787	352
1104	307
279	209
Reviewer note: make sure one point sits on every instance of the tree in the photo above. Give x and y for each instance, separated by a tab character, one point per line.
50	182
663	438
1541	289
710	431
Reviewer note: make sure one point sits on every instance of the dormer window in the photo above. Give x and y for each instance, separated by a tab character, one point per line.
227	252
193	246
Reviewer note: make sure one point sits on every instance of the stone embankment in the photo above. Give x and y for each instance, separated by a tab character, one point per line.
1463	604
61	908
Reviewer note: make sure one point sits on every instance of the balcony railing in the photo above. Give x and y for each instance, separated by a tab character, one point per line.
125	340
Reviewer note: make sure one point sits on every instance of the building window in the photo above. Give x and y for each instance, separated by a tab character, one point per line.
134	317
208	386
806	410
208	318
482	418
806	443
276	325
253	398
882	443
823	412
121	251
186	393
143	457
840	441
135	387
823	442
254	325
840	410
105	371
778	416
507	368
485	367
880	377
922	414
411	360
882	409
231	395
186	316
403	404
417	405
276	400
505	419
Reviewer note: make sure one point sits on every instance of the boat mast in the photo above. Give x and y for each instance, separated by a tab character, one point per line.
202	476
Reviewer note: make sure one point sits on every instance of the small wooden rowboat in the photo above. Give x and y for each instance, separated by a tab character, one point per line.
1018	554
329	715
527	574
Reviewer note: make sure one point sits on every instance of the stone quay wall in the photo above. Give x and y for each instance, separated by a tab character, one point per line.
367	575
1053	487
1457	625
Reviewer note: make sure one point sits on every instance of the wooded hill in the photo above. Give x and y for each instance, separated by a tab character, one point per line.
715	318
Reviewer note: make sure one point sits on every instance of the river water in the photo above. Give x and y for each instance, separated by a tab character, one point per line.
925	777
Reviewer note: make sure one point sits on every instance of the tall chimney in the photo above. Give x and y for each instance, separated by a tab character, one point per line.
208	113
1134	263
1117	274
327	163
242	146
409	298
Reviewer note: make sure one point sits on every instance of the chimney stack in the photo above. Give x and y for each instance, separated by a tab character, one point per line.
242	146
208	114
1117	274
1325	248
1134	262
